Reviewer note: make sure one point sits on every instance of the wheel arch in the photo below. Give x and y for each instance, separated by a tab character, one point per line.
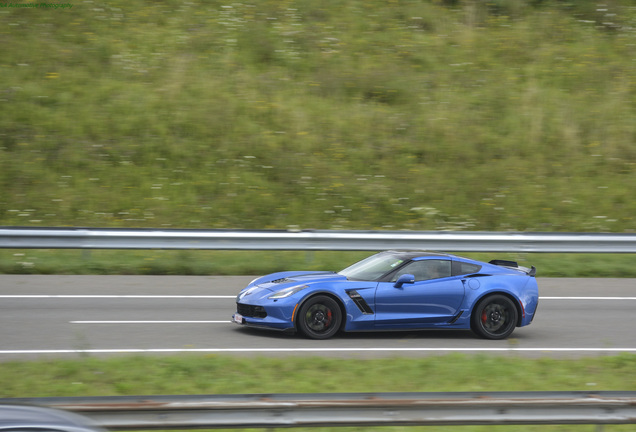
335	297
513	298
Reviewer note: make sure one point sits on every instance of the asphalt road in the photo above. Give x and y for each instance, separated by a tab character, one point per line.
45	316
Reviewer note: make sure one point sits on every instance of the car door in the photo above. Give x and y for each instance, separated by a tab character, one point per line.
434	297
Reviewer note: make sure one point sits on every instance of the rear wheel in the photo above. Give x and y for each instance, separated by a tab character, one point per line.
319	317
495	317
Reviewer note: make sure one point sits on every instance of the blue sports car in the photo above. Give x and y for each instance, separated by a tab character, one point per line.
394	290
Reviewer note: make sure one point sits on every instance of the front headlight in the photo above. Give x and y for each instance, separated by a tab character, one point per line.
284	293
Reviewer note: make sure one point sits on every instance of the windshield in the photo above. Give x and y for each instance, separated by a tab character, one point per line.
372	268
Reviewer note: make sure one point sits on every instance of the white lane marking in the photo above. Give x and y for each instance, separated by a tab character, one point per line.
108	296
134	296
151	322
317	349
587	298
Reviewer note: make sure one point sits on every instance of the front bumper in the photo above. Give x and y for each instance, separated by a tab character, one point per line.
275	318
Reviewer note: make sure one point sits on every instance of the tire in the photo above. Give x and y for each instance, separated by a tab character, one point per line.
494	317
319	317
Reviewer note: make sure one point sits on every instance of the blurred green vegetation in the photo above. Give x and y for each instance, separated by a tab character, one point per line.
200	263
338	114
212	374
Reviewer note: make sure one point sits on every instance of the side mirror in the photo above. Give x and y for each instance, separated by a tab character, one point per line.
404	279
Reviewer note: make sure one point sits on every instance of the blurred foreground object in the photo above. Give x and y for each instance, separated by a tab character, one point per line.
30	418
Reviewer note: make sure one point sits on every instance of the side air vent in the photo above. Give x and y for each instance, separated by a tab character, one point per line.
456	317
360	302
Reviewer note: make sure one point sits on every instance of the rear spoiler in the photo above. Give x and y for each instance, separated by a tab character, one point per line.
513	264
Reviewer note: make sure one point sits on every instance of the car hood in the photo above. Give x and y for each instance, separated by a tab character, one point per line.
279	281
266	285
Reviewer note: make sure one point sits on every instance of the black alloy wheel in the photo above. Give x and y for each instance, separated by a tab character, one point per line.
319	317
495	317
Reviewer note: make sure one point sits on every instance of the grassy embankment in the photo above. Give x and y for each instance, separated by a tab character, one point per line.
418	115
352	115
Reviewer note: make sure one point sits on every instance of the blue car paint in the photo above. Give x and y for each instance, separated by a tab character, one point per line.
439	303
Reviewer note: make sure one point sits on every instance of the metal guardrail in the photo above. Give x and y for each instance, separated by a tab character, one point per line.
458	241
347	409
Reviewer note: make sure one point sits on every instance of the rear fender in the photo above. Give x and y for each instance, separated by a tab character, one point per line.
512	297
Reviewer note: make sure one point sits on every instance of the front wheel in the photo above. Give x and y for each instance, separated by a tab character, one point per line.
319	318
495	317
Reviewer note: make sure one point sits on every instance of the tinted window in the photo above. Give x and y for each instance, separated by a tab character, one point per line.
462	268
425	270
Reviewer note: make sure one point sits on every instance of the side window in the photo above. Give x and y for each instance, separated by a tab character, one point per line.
425	270
462	268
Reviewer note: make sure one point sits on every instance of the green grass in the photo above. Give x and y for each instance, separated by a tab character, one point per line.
216	374
211	374
358	114
188	262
